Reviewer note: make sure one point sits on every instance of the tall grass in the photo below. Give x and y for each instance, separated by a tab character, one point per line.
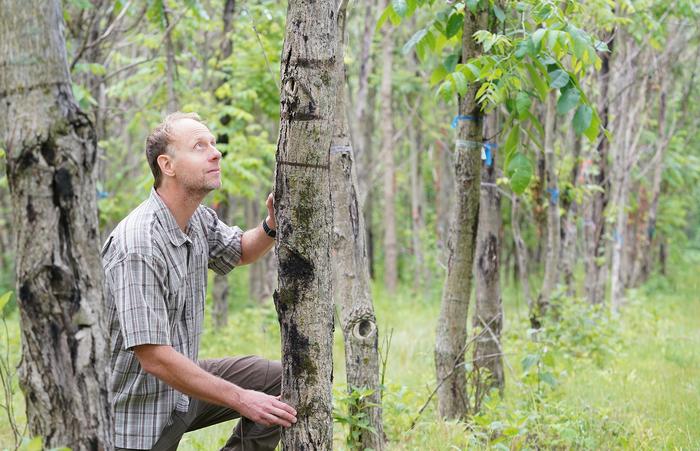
627	382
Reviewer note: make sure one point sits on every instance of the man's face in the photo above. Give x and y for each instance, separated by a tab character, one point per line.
195	159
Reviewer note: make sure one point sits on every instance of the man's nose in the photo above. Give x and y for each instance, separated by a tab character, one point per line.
216	155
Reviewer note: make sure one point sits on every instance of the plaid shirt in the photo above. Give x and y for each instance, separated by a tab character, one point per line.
155	287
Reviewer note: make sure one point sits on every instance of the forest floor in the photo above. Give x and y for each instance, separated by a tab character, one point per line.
597	382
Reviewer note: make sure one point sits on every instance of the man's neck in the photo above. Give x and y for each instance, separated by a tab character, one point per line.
182	204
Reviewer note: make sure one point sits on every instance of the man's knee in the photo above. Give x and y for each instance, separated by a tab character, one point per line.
274	378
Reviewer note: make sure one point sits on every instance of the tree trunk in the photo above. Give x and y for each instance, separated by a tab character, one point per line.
364	106
302	201
552	262
362	135
594	222
389	210
487	322
420	274
351	288
629	119
444	185
520	252
51	150
451	339
170	63
227	41
570	232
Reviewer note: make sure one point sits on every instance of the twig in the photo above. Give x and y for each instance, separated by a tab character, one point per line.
457	364
127	67
104	35
257	36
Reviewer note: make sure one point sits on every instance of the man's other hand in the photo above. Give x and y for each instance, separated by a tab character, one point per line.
265	409
271	223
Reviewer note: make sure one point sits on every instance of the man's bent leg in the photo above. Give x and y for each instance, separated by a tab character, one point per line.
253	373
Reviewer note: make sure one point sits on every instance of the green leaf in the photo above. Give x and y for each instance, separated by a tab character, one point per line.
4	299
511	143
400	7
568	100
445	91
537	81
582	119
537	37
472	5
498	12
522	104
420	34
520	172
454	25
460	80
438	75
35	444
155	13
450	62
558	79
592	130
529	360
196	7
383	18
548	379
470	70
524	48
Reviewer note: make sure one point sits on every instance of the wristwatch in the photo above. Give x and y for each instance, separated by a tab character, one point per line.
268	231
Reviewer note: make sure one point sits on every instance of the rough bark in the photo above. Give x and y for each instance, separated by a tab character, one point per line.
51	151
302	201
351	287
387	152
450	343
487	321
594	222
552	262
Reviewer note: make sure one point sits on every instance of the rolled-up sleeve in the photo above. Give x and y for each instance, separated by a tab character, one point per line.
224	243
139	294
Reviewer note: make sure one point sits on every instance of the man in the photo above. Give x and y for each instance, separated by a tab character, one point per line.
155	264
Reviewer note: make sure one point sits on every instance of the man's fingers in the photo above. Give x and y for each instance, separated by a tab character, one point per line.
273	419
286	407
283	414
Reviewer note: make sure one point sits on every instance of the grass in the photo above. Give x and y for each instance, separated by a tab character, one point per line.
620	383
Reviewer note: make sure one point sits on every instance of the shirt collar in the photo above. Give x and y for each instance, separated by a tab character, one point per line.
167	220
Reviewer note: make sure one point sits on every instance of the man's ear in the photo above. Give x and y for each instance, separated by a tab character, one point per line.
165	162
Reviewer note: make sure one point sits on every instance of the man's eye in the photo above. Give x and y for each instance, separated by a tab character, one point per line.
198	146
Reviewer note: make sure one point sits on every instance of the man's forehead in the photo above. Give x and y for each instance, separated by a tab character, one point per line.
186	128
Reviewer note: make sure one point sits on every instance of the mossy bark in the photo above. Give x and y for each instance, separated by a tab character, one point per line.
51	152
303	215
